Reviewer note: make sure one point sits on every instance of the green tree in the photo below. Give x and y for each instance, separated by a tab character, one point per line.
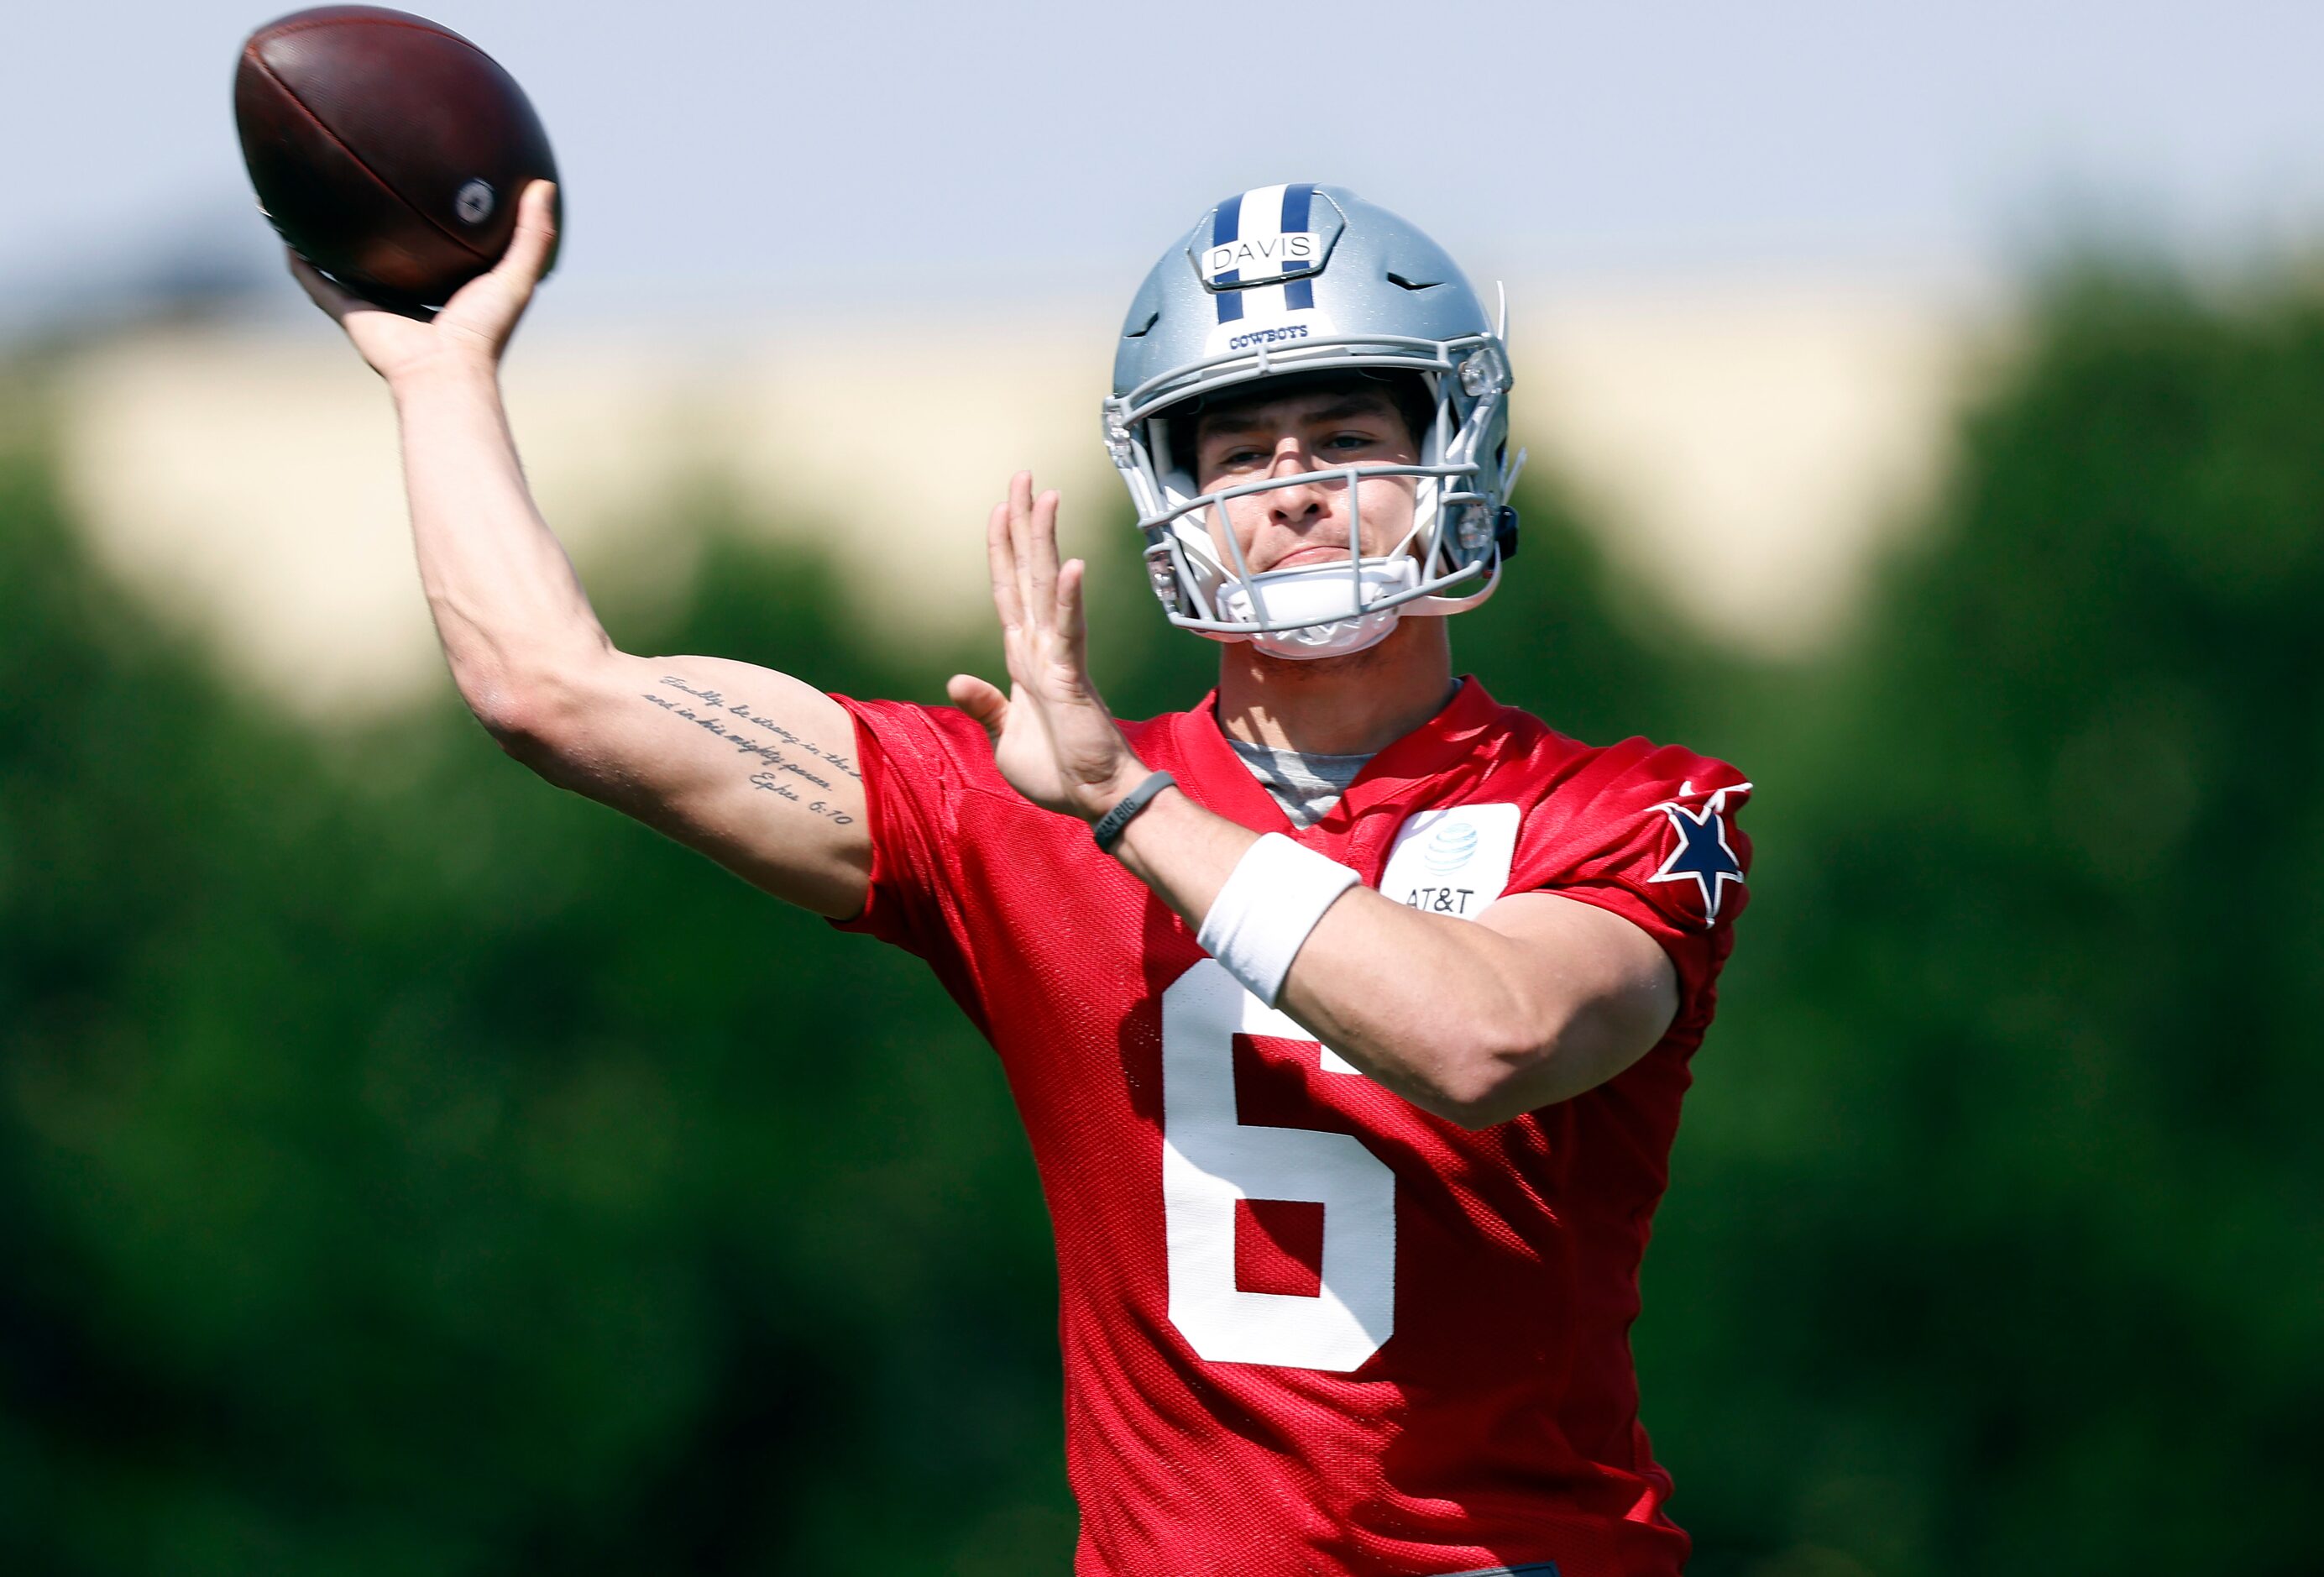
405	1167
1996	1243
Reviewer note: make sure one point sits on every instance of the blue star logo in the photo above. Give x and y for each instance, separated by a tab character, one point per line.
1703	855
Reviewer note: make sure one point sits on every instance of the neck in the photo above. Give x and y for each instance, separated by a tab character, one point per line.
1338	705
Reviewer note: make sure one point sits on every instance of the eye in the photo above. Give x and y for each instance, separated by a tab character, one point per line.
1344	441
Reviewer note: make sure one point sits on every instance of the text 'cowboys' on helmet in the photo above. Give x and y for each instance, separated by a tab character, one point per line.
1295	280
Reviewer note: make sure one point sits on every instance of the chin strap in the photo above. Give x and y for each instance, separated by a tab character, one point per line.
1324	605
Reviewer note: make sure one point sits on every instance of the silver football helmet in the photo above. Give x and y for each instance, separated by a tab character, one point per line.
1305	279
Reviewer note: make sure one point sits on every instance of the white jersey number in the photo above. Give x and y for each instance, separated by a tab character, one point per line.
1210	1160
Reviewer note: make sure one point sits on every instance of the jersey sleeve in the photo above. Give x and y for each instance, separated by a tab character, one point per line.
914	774
1654	839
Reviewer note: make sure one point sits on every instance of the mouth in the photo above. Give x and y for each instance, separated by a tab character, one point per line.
1312	555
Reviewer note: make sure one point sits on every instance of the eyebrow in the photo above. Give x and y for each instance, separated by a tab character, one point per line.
1338	411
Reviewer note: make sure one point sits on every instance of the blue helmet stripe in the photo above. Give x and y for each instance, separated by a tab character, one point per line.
1226	224
1295	199
1230	302
1298	199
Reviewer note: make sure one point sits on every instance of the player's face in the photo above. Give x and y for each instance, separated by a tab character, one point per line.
1285	527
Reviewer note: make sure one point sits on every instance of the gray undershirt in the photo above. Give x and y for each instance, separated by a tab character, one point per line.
1305	787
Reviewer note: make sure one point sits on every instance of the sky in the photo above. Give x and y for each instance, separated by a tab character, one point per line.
721	157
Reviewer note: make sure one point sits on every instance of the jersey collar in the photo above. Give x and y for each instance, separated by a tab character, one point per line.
1449	744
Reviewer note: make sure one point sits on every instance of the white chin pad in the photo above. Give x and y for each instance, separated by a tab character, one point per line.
1319	610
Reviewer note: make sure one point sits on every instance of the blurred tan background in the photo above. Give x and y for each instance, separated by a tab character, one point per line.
1744	447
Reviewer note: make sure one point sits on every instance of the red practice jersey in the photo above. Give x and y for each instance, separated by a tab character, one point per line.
1310	1330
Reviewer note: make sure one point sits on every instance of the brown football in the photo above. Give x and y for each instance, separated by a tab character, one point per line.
387	150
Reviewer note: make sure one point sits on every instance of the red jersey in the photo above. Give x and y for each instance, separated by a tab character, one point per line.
1310	1330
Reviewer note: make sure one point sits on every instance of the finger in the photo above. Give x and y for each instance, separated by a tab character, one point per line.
1041	572
1036	608
534	246
488	307
337	302
1000	556
1072	620
980	701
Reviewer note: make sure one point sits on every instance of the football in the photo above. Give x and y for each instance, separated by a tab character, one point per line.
388	152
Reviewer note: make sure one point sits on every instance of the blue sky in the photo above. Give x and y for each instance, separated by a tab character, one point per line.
723	155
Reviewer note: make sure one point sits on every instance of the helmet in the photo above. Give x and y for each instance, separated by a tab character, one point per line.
1300	279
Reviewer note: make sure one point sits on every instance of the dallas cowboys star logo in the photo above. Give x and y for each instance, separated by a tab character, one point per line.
1703	855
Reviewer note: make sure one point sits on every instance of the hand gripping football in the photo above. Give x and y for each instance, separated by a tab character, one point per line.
387	150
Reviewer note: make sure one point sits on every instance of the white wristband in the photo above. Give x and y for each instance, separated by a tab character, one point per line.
1274	898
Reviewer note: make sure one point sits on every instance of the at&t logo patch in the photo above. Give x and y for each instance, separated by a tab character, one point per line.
1451	862
1450	846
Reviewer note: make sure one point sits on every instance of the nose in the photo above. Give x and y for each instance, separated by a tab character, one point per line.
1298	505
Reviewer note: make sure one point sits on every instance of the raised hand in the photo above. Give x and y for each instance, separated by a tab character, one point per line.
474	325
1053	737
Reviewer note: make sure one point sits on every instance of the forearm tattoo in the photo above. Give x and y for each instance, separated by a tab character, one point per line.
794	766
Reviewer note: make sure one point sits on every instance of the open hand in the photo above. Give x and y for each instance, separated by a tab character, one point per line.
1053	737
474	325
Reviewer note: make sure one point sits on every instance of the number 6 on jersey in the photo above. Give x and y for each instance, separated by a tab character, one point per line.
1210	1160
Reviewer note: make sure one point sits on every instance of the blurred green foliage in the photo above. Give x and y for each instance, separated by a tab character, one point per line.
407	1169
1996	1241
